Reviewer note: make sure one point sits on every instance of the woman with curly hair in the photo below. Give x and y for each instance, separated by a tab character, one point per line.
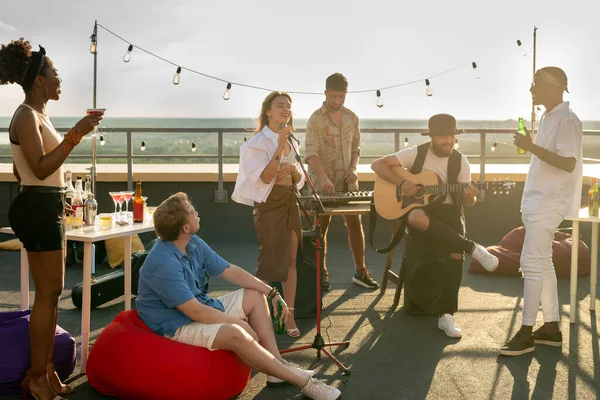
36	215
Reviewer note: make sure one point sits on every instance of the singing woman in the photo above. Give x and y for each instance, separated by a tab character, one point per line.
36	214
268	180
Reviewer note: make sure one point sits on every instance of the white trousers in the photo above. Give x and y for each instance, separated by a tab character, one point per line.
537	267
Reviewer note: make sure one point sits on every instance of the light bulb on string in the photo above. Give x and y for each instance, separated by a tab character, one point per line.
227	92
493	148
93	43
406	141
127	56
379	102
177	78
102	140
475	70
428	90
193	147
521	48
456	143
143	147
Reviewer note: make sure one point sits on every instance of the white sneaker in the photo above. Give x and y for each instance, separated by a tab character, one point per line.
317	390
448	325
485	258
274	382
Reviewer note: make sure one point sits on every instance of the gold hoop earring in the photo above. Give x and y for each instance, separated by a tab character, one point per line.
33	95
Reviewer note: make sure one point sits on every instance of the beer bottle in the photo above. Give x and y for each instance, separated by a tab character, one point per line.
521	130
138	204
279	322
591	193
595	206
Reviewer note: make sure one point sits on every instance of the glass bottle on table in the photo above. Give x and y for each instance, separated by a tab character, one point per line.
595	202
521	130
77	205
591	193
138	204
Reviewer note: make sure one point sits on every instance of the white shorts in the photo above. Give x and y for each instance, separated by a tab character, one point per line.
203	335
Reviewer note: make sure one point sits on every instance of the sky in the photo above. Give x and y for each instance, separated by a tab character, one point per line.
295	45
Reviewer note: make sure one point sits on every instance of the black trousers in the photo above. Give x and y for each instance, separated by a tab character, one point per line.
444	236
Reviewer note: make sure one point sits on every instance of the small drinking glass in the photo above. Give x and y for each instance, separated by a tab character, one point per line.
106	221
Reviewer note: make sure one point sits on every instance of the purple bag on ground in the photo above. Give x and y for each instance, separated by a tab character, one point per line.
15	355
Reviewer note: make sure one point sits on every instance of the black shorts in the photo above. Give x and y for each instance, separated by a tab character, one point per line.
36	216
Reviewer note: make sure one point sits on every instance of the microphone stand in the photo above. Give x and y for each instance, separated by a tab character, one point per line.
318	342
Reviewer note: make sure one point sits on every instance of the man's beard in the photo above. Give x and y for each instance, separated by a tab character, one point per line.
440	150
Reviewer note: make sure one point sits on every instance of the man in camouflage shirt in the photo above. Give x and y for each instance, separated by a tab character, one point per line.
332	153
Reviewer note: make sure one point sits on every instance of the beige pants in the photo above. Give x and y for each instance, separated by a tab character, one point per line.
203	335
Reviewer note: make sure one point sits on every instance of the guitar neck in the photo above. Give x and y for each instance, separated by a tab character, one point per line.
452	188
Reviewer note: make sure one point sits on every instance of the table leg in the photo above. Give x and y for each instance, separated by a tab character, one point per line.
127	271
86	303
574	262
24	280
594	266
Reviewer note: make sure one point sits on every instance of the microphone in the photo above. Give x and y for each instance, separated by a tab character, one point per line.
282	126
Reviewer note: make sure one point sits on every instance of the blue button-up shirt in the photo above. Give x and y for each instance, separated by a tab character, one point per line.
170	278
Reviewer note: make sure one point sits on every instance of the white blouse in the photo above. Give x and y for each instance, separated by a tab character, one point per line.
255	154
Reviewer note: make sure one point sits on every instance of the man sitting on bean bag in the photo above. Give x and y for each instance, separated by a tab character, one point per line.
173	302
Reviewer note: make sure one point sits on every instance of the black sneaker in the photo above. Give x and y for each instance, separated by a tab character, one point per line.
518	345
541	337
364	279
325	281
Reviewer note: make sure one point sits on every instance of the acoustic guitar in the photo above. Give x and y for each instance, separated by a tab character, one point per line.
391	203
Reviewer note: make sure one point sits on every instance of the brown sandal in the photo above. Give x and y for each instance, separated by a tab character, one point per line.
26	388
55	381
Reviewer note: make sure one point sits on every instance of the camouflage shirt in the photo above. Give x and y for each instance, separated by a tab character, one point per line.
333	145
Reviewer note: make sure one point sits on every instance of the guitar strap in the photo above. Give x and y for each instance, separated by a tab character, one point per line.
454	165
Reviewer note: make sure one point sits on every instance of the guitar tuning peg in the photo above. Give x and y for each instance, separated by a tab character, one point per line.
495	192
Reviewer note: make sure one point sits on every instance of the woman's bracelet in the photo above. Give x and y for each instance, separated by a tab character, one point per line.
72	139
272	294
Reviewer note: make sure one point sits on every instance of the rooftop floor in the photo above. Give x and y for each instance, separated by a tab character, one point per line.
394	355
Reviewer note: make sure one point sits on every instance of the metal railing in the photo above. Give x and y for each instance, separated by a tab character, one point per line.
221	194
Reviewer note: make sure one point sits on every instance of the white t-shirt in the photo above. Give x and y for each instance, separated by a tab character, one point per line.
439	165
549	188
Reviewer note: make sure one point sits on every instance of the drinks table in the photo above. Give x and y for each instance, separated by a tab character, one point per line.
88	235
583	217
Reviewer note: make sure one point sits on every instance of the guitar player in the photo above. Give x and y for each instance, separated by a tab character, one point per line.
439	227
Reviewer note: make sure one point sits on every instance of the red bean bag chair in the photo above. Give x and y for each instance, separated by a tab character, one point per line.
509	250
15	351
129	361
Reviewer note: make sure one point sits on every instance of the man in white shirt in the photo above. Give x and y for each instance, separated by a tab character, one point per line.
552	192
440	228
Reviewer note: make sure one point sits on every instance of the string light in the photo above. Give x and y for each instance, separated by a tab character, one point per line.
521	48
127	56
379	102
455	143
475	70
101	140
406	141
493	148
176	78
94	43
193	147
143	148
227	92
428	90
